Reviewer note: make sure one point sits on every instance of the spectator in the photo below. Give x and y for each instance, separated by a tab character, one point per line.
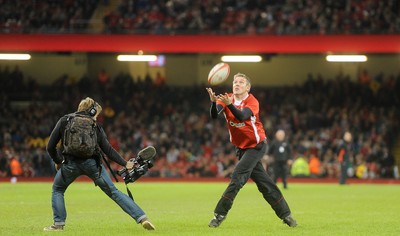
300	167
15	166
315	166
4	165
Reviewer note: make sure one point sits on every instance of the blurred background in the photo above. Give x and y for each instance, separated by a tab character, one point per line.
70	51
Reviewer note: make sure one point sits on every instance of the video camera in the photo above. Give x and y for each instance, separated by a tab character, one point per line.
141	164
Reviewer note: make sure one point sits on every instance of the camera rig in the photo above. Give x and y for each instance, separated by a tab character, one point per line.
141	164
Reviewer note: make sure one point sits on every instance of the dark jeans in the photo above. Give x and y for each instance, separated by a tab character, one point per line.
73	169
249	166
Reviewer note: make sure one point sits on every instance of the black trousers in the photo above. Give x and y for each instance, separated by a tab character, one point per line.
343	173
249	166
280	171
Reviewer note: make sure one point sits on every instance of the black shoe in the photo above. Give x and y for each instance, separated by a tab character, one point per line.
216	221
147	153
289	220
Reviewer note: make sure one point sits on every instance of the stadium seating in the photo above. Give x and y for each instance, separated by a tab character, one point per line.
175	119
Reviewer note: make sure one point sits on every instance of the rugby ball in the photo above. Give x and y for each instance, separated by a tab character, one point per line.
218	74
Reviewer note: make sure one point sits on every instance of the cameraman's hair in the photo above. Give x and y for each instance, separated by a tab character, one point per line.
244	76
87	103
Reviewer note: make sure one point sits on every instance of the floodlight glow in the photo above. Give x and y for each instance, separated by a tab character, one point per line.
12	56
137	58
346	58
249	58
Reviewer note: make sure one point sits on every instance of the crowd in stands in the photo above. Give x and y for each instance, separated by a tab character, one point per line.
266	17
144	111
138	112
47	16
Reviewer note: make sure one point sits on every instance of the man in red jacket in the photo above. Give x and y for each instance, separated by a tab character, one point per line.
241	110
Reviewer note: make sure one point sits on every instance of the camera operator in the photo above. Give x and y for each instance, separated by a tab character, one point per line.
69	167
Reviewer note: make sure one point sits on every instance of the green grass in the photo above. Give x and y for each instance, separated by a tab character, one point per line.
186	208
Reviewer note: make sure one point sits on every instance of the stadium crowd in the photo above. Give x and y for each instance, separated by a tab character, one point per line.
138	112
147	111
49	16
268	17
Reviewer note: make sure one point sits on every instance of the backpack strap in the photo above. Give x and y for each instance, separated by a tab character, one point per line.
70	115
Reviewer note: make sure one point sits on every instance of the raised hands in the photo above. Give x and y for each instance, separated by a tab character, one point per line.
211	93
225	98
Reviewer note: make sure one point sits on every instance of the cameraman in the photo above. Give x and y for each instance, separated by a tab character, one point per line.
70	167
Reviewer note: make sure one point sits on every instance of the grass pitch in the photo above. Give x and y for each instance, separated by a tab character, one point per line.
186	209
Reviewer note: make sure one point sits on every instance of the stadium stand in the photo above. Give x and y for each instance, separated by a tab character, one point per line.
175	120
314	114
268	17
255	17
67	16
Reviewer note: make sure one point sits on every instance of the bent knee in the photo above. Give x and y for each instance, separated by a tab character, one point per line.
104	186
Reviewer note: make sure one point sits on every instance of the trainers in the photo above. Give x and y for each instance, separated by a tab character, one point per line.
147	153
216	221
289	220
54	228
148	225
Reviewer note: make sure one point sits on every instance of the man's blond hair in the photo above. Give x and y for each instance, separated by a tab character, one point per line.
87	103
244	76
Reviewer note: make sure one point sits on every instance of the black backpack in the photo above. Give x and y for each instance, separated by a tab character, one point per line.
80	136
